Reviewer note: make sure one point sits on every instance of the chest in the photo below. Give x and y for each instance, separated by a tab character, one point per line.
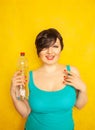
49	82
42	101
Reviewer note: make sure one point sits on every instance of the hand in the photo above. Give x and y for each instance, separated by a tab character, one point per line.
16	82
74	80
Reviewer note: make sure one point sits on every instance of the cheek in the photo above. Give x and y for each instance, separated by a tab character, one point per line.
57	52
41	55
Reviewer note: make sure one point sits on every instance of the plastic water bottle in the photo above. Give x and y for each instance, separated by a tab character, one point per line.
22	65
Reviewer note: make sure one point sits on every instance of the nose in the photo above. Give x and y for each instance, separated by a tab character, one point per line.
49	50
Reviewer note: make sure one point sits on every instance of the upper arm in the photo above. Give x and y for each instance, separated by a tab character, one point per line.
75	71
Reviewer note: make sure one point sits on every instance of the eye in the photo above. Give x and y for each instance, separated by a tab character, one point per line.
44	49
55	46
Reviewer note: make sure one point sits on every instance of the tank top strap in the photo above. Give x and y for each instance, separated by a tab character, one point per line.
30	74
30	84
68	67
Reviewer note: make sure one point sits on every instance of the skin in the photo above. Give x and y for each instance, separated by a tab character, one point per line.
48	73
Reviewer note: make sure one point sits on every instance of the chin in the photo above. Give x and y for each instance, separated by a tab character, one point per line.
50	62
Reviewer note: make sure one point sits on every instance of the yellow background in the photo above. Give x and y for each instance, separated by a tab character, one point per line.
20	22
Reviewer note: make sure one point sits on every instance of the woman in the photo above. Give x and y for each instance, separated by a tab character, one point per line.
54	89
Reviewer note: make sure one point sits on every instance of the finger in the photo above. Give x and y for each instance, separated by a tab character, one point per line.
21	81
69	83
68	80
71	73
68	77
17	73
20	78
20	84
65	72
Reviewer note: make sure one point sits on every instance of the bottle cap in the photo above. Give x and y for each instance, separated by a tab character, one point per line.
22	53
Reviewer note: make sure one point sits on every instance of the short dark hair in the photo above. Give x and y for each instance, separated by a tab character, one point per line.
47	38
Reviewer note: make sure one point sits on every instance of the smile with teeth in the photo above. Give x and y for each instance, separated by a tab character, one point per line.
50	57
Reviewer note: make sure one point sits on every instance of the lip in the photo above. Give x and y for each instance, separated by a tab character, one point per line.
50	57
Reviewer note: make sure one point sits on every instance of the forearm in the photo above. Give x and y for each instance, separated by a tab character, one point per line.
21	105
81	99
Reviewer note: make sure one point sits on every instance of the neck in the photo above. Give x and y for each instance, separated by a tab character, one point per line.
50	68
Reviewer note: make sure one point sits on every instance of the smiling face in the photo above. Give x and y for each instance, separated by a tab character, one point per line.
51	54
47	38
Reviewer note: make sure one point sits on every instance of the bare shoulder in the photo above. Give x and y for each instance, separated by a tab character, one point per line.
75	70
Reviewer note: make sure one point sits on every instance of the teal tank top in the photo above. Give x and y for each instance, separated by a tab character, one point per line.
50	110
